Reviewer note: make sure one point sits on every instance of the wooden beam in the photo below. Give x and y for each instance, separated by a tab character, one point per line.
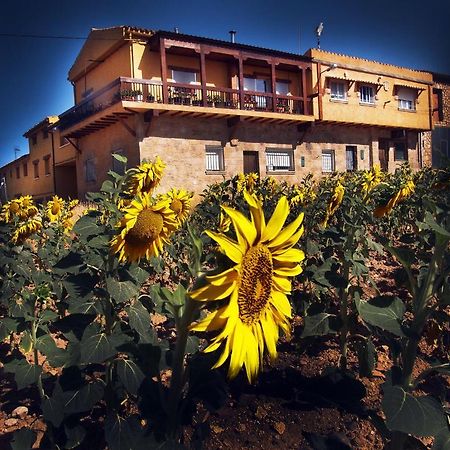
203	74
241	81
274	86
78	149
305	103
127	127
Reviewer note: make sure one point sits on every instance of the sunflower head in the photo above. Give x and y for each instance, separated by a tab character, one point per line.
179	203
146	177
55	208
144	229
25	229
254	289
335	201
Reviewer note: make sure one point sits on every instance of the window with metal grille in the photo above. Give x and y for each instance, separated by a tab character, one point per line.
280	160
89	166
338	90
214	161
366	95
327	161
350	157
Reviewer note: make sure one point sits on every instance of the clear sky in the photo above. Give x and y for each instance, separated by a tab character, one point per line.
33	75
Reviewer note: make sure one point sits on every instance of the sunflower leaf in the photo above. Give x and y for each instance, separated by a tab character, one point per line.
23	439
121	291
318	325
130	375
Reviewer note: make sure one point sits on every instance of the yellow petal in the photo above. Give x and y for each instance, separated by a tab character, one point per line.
281	303
277	220
223	278
288	232
282	284
213	321
230	247
289	271
242	225
210	292
238	349
293	255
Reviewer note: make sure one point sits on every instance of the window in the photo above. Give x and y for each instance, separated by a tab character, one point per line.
338	90
18	172
350	158
256	84
407	99
214	159
280	160
118	166
34	139
45	134
327	161
366	95
47	164
282	87
184	76
89	166
25	169
400	151
438	111
36	168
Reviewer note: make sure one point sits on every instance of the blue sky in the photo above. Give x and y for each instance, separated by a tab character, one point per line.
33	75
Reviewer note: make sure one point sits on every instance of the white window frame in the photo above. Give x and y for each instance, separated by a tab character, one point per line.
280	160
187	71
214	158
406	99
366	95
328	161
338	90
89	169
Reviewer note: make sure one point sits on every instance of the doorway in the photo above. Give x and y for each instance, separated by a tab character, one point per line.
383	154
251	162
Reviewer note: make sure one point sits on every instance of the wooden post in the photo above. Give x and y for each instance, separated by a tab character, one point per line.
304	95
274	86
162	49
241	81
203	74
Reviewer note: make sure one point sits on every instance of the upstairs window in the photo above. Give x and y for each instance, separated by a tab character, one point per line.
25	169
256	84
282	87
34	139
328	161
280	160
47	164
36	168
438	111
184	76
18	172
407	99
338	90
366	95
214	161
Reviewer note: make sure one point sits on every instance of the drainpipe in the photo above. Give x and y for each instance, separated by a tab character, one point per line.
319	91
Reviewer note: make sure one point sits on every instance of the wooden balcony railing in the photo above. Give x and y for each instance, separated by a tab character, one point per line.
149	91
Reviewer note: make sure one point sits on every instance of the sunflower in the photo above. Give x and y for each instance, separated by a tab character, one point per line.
372	178
255	286
144	229
224	223
55	208
336	200
10	210
25	230
146	176
251	180
180	203
404	192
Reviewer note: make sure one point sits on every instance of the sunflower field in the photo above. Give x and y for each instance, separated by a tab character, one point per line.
267	315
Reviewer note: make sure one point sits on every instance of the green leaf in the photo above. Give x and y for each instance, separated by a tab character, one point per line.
71	263
80	286
430	220
83	399
420	416
442	441
384	312
86	226
7	326
367	357
127	434
120	158
107	186
318	325
96	346
192	344
130	375
75	436
138	273
405	255
24	373
53	410
139	319
99	242
121	291
56	357
23	439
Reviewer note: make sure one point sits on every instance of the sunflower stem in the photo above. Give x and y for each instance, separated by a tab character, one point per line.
178	369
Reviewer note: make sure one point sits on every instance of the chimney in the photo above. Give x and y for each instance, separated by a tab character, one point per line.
176	30
232	36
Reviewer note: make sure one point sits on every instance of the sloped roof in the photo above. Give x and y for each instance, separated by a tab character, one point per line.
45	123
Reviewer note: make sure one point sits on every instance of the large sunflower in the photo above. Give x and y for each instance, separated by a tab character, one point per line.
25	229
180	203
256	287
144	229
10	210
55	208
146	176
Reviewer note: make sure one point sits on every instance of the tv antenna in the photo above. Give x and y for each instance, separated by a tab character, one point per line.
319	30
16	151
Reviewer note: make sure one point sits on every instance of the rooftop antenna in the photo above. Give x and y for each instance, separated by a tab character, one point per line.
16	151
232	36
176	30
319	30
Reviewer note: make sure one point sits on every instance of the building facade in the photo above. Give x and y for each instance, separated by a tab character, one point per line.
211	109
48	169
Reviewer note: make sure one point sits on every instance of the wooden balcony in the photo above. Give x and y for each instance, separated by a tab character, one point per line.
126	96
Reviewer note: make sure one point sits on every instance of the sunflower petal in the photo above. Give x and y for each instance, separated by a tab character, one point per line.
281	303
242	225
230	247
211	292
287	233
277	220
